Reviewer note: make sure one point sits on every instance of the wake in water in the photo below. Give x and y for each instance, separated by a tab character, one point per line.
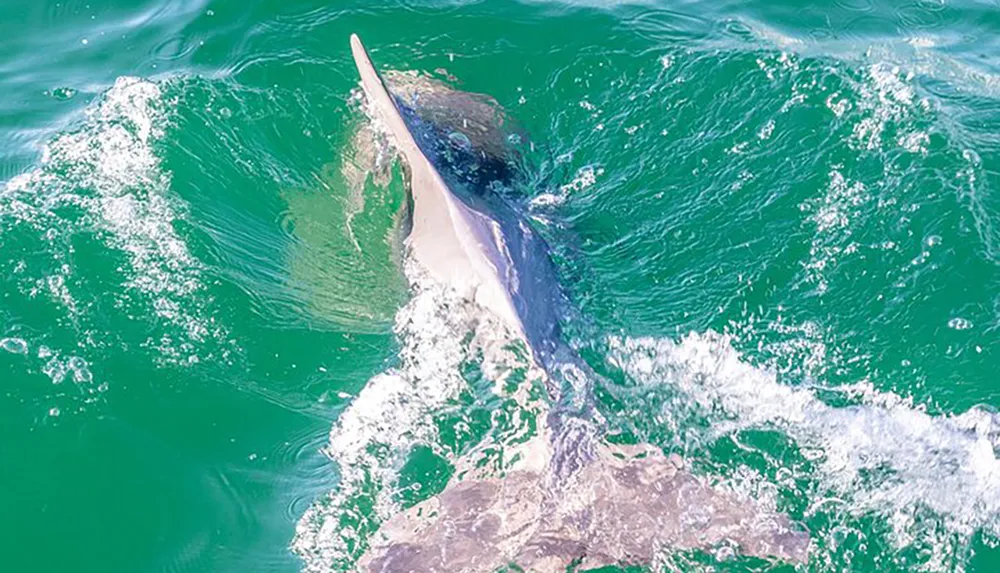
931	481
621	512
857	454
106	178
101	206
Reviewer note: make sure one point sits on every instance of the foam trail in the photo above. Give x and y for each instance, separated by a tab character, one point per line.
105	177
439	333
880	455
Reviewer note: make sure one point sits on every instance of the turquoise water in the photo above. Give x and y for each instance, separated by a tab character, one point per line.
778	227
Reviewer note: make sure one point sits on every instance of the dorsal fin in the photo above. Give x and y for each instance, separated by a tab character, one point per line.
384	104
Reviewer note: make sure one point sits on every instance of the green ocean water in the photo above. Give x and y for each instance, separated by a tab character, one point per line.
778	226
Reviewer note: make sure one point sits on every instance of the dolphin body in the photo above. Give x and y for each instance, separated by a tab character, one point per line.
572	499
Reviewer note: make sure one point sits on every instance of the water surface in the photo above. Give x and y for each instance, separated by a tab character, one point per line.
778	227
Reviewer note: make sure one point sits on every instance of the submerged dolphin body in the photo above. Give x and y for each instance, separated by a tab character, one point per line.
572	498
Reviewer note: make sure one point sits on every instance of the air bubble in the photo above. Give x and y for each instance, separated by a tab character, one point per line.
55	370
63	94
14	345
959	323
460	140
81	374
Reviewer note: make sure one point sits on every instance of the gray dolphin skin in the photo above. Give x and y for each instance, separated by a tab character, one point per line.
572	500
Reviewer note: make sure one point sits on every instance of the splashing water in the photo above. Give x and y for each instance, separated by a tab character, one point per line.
933	479
442	337
105	179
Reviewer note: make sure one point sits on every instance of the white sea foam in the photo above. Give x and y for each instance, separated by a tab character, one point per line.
959	323
107	175
585	177
439	332
879	456
914	142
922	42
73	387
887	96
71	368
832	215
766	130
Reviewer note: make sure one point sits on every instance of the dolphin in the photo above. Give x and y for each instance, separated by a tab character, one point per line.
572	499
